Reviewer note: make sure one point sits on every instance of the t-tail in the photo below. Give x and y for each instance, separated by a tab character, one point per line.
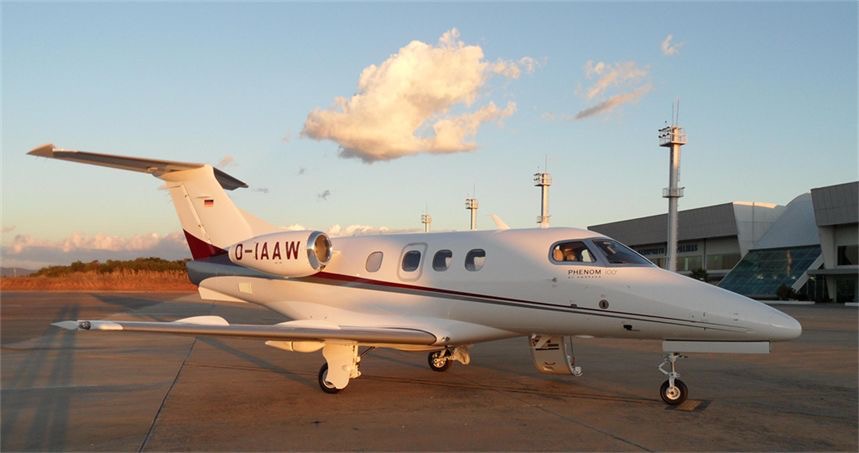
210	220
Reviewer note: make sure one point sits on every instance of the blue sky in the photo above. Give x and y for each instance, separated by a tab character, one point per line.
768	98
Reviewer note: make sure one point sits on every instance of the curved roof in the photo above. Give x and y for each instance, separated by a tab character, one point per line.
795	227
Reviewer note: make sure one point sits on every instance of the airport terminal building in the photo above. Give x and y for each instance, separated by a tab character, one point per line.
836	210
807	249
712	238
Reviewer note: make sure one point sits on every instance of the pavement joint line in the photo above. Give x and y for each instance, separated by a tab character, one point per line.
592	428
166	395
460	384
542	408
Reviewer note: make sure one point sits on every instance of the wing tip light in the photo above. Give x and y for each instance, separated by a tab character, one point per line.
46	150
68	325
88	325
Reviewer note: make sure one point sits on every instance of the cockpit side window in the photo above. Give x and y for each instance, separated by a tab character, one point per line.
572	252
617	253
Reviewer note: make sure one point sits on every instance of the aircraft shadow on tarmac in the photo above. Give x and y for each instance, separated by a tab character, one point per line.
49	425
257	361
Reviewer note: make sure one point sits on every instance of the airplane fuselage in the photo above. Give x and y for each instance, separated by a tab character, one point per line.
487	285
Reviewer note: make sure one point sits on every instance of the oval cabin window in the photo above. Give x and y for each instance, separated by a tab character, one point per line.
441	260
411	260
374	262
475	259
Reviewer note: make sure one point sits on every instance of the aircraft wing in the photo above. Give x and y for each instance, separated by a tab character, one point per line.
290	330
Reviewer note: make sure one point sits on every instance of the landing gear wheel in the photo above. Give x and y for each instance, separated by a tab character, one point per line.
323	383
438	361
674	395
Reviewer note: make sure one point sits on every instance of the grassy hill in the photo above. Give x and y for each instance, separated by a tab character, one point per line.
141	274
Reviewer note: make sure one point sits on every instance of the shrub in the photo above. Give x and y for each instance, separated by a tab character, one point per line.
152	264
699	274
785	292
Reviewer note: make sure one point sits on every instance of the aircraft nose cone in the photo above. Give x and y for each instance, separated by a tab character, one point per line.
783	327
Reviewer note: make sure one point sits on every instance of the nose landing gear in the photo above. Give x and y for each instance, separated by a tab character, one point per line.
673	391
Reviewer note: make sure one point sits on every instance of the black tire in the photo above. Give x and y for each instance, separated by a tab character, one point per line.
323	384
676	396
434	357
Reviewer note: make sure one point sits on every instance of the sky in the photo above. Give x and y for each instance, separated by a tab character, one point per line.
359	117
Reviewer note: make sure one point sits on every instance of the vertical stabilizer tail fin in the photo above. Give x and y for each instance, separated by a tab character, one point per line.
210	220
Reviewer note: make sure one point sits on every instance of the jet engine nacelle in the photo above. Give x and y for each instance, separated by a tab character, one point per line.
288	254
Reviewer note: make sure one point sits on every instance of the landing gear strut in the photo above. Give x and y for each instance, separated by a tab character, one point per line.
673	391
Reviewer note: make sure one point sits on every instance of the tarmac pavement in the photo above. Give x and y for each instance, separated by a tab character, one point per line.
97	391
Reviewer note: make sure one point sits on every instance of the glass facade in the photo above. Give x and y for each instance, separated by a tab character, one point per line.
761	272
689	263
724	261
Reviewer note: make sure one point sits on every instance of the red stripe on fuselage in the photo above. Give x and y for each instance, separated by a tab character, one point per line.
201	249
346	279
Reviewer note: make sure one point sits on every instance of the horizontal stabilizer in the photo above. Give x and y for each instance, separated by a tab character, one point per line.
217	326
152	166
499	224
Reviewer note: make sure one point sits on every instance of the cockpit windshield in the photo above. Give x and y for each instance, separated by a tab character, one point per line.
617	253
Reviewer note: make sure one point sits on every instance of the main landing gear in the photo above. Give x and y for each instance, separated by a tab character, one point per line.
322	378
438	360
342	358
673	391
341	365
441	360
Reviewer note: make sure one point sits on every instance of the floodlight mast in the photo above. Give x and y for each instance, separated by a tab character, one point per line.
426	219
672	137
543	180
472	205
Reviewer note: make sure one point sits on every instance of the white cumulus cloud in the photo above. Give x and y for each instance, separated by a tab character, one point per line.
404	105
358	230
668	48
37	252
353	230
226	162
613	84
611	75
614	101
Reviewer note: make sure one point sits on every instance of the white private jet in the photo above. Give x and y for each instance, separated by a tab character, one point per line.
435	292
